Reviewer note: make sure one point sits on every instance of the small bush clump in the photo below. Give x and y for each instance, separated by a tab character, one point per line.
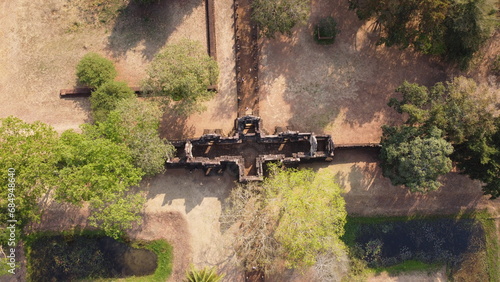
326	31
105	98
203	275
495	67
93	70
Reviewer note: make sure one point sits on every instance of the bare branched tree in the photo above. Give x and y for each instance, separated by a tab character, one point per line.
255	242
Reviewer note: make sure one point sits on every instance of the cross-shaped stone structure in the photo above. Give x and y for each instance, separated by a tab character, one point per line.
248	149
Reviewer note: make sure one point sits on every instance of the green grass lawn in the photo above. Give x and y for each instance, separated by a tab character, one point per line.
165	258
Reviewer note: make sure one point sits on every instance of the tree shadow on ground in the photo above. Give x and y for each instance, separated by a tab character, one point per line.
61	216
82	103
226	105
194	197
149	24
174	126
187	189
350	80
369	193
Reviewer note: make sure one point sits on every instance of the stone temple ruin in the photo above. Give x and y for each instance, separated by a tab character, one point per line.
249	149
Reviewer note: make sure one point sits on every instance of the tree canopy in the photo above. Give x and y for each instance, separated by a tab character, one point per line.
311	213
294	214
415	159
101	173
135	123
460	107
467	114
79	168
182	73
31	150
281	16
105	97
93	70
454	29
479	157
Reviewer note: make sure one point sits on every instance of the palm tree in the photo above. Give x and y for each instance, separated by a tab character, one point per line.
206	274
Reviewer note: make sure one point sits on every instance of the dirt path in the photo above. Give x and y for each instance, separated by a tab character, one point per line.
222	109
247	59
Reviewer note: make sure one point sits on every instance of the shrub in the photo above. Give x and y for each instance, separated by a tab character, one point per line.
326	31
182	73
495	67
279	16
203	275
105	98
94	70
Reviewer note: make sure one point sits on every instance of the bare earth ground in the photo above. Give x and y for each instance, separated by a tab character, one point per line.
41	47
198	200
368	193
341	90
221	111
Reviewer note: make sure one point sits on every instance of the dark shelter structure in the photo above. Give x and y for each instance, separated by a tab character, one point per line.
248	149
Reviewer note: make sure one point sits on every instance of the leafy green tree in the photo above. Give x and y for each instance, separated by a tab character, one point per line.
479	157
203	275
466	113
311	213
414	102
453	29
294	214
116	213
106	96
468	26
414	159
31	150
460	107
281	16
78	167
135	123
182	73
463	109
99	172
94	70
